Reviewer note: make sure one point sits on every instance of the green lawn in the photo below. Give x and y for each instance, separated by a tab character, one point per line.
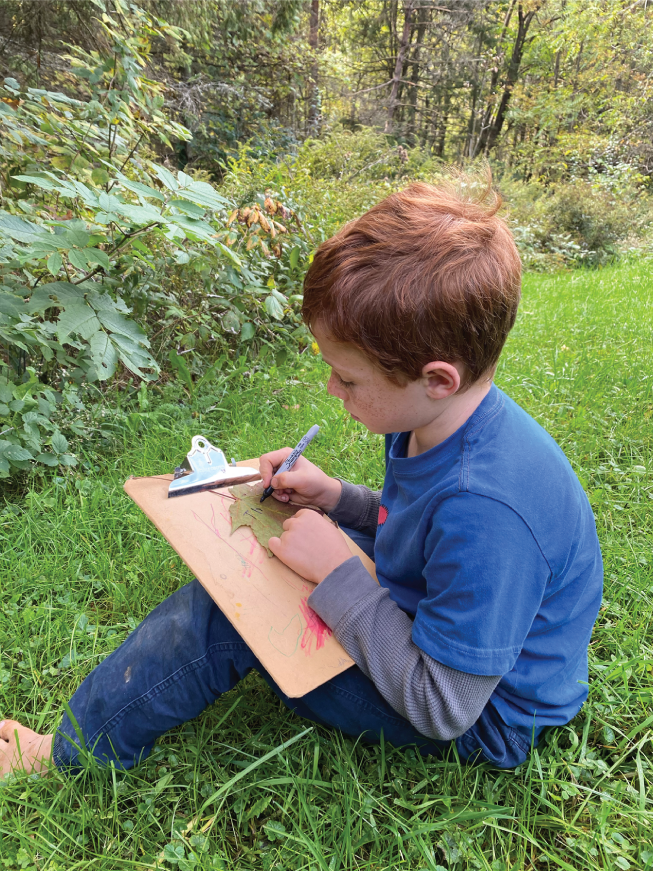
80	566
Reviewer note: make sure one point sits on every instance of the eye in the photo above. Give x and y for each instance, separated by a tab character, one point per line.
342	381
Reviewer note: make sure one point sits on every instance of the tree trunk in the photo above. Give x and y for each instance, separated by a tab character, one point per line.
442	127
313	88
422	14
492	129
399	64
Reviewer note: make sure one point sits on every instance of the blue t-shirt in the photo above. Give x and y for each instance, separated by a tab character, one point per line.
489	541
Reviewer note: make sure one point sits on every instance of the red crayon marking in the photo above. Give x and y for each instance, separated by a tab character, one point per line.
316	628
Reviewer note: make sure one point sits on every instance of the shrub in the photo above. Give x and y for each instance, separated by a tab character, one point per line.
100	246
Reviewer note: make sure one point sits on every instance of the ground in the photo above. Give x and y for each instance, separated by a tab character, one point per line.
245	786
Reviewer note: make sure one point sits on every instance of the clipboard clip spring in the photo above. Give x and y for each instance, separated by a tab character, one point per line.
205	468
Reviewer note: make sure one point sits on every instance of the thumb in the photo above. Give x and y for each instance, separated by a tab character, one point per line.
275	545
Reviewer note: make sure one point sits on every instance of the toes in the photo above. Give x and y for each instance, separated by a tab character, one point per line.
9	728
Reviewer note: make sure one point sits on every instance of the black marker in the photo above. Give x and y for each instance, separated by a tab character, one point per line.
292	458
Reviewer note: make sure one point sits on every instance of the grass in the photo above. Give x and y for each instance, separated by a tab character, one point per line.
249	785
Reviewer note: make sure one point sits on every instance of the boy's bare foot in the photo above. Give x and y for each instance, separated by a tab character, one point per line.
21	749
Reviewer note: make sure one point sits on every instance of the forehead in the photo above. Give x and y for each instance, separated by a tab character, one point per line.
342	355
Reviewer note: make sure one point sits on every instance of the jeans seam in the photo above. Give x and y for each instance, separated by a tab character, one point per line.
157	689
516	741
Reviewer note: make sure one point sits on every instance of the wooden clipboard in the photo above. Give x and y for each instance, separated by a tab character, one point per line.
266	602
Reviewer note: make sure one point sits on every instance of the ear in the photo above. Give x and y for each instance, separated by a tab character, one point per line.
442	379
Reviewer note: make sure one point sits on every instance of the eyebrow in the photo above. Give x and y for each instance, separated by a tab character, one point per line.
338	369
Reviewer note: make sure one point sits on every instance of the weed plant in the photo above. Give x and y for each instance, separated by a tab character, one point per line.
248	785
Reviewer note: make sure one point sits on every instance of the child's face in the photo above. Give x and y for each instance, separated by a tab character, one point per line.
367	394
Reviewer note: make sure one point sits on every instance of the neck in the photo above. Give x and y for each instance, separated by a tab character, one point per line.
452	414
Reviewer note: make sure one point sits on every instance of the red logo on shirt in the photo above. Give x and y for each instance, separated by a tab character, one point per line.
383	514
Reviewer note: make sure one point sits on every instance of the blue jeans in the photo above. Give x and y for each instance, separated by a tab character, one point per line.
186	654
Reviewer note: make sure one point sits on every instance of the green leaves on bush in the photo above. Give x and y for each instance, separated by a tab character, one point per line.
27	429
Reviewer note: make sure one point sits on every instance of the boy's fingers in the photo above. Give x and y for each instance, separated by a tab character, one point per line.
292	480
271	461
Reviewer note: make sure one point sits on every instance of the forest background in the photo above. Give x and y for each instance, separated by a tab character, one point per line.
168	169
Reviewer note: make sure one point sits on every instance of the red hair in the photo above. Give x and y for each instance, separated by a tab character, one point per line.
427	274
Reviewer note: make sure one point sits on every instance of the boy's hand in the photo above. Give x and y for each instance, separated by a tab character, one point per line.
305	483
311	545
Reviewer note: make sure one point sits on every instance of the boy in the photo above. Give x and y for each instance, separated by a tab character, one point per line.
485	545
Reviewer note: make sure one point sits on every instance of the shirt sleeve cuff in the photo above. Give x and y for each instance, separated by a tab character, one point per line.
343	588
357	506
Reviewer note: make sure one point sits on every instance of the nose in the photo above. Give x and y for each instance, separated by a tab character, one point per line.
335	389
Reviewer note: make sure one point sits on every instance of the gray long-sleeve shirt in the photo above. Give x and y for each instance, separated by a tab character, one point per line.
439	701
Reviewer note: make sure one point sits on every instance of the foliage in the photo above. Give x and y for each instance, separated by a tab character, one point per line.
587	220
81	566
93	228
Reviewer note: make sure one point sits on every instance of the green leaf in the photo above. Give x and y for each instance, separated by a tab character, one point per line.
166	177
193	228
173	853
54	263
103	355
64	293
108	202
273	307
16	453
100	177
117	323
6	392
78	237
16	405
229	254
293	257
162	782
188	208
20	230
67	460
203	194
274	830
10	304
230	322
265	519
47	459
140	214
139	188
78	318
133	355
45	183
95	255
179	364
59	442
77	259
247	331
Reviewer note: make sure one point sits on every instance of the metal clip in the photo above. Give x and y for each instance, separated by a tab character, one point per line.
205	468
